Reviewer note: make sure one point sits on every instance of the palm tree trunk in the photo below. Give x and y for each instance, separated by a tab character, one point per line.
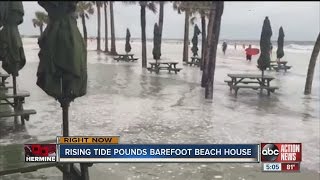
161	20
85	36
203	33
212	47
106	48
186	37
41	30
113	37
99	28
312	64
204	79
143	36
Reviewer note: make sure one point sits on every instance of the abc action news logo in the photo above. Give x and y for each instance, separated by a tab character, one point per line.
281	152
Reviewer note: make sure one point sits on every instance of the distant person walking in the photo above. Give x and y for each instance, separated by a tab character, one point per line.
247	53
235	46
224	48
244	46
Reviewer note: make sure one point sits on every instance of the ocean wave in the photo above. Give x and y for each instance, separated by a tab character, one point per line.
294	47
299	47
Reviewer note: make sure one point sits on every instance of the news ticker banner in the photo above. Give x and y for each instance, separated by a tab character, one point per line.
275	156
108	149
159	153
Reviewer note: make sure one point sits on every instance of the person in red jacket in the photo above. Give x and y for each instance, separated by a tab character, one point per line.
247	54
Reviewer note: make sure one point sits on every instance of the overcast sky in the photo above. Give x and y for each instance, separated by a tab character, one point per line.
240	20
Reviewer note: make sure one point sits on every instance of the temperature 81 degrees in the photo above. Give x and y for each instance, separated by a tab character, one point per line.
293	167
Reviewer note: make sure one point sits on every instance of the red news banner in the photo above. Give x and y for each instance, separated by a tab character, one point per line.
288	154
40	152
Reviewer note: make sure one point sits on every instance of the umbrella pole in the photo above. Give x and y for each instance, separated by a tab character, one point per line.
65	118
65	131
14	82
262	82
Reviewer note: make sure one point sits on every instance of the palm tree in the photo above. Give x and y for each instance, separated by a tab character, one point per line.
312	64
105	4
40	20
202	8
204	13
84	9
160	22
113	37
151	6
99	5
211	47
186	7
203	39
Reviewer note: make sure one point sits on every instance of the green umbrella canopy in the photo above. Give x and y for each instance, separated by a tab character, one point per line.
280	52
128	46
156	42
265	41
11	49
194	48
62	70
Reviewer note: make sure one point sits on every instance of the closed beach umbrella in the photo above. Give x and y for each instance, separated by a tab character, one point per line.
265	41
156	42
11	49
62	70
280	52
128	46
194	48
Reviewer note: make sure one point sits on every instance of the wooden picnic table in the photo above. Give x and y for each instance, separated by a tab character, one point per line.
17	105
278	65
241	80
163	65
279	62
194	61
125	57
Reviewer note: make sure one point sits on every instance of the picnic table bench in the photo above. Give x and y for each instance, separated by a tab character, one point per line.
278	65
170	66
125	57
241	80
5	87
3	79
12	161
194	61
17	105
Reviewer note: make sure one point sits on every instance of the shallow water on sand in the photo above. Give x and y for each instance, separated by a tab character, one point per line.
124	99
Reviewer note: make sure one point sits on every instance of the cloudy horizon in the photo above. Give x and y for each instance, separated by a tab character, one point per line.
240	21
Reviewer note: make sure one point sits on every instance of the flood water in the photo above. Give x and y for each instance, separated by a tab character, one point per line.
124	99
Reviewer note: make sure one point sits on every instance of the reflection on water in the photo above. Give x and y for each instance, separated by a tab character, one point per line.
124	99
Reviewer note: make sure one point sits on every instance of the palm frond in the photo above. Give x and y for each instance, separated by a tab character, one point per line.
85	8
129	2
152	7
176	5
36	22
192	20
40	19
90	10
98	3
